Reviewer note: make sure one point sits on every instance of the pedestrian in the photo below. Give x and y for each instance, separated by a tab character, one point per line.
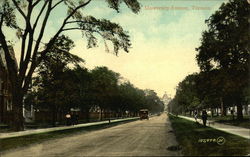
77	119
232	113
68	119
73	119
204	117
195	115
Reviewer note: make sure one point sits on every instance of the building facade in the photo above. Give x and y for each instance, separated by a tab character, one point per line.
5	94
166	99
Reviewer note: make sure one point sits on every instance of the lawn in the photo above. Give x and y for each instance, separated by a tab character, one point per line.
245	123
197	140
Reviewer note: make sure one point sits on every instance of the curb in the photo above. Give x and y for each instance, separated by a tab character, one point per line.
64	128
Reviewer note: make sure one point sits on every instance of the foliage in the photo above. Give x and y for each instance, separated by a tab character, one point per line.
223	58
33	17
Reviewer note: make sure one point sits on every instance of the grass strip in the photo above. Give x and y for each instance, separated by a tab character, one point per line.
197	140
22	141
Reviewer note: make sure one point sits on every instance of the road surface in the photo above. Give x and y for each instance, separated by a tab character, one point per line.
140	138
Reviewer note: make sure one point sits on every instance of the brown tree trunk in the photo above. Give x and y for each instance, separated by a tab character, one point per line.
87	118
239	111
17	121
223	108
54	117
101	114
246	109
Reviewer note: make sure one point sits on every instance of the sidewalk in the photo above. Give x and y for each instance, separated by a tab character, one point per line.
45	130
243	132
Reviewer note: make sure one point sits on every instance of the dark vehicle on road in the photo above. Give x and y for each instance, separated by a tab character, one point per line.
143	114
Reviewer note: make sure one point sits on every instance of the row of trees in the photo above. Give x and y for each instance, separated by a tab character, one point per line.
28	20
61	84
223	58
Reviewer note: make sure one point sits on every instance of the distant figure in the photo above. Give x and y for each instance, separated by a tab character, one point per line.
73	119
195	115
68	119
204	117
232	113
77	119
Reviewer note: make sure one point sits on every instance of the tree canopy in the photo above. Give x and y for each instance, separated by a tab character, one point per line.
223	58
30	19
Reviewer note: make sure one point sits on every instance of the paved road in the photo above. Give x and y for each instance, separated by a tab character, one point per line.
140	138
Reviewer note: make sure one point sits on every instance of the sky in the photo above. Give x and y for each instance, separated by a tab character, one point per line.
164	35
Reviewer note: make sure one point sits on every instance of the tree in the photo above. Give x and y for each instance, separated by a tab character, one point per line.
104	87
54	85
81	82
32	53
187	95
225	46
131	98
153	102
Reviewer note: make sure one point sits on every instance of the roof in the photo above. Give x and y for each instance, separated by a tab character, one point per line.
3	63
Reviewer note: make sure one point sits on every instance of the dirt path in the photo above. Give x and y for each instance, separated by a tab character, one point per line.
140	138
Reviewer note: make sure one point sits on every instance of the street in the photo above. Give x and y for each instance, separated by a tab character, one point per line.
140	138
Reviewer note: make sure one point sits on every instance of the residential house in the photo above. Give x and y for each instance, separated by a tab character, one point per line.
5	94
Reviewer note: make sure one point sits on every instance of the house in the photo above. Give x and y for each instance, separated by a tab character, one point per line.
5	94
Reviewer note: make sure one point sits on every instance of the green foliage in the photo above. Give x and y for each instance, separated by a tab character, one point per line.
80	88
223	58
153	102
104	86
227	40
115	4
32	54
7	14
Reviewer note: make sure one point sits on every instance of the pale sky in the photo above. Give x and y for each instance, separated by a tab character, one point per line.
164	35
163	42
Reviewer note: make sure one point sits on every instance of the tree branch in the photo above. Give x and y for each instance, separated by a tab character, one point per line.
57	4
51	42
73	28
43	26
37	1
28	29
40	13
69	22
28	55
19	9
75	10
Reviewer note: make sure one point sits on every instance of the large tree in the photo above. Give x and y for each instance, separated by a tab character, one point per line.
104	87
225	46
31	33
53	85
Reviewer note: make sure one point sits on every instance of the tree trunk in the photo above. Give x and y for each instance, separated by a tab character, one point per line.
223	108
87	115
54	115
239	111
246	109
101	114
17	121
